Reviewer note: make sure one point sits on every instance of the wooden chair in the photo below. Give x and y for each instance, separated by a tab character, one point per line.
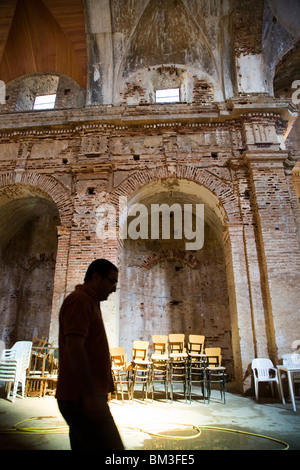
141	366
38	379
197	364
215	372
120	371
178	362
160	363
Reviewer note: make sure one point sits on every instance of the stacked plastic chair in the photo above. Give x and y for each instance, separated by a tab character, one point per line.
13	366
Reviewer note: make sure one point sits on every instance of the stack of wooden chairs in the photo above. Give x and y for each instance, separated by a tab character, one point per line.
195	367
43	369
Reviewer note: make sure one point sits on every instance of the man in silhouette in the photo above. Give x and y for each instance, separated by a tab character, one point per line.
85	377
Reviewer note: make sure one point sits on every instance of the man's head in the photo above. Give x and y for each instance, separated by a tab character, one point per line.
102	277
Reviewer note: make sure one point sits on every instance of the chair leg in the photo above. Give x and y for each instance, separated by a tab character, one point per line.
14	391
208	387
166	386
23	388
256	389
221	379
8	389
171	389
224	388
279	391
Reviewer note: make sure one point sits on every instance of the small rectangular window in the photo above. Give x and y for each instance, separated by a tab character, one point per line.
44	102
169	95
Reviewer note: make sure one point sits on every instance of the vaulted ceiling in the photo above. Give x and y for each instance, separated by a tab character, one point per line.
50	37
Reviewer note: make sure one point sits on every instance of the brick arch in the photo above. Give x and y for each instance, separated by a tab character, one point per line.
180	255
48	185
33	261
222	189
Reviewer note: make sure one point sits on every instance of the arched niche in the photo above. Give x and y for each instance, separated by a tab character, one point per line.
22	91
165	287
28	244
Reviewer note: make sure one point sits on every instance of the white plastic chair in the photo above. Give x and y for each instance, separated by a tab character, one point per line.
13	366
264	371
2	346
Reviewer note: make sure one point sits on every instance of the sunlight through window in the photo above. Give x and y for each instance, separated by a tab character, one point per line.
44	102
169	95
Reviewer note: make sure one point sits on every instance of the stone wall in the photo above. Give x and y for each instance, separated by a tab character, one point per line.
229	290
230	145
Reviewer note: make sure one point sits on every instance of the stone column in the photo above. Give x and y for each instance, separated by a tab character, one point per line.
241	178
255	280
100	51
240	304
60	278
278	247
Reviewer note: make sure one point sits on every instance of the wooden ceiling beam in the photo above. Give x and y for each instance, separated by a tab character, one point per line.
42	39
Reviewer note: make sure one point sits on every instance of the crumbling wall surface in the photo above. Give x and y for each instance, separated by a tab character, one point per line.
28	253
31	206
20	93
229	145
227	290
129	40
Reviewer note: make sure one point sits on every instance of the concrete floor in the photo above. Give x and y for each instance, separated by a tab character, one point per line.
140	421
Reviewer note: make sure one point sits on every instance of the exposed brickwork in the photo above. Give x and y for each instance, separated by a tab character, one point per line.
234	167
177	254
46	184
248	40
221	146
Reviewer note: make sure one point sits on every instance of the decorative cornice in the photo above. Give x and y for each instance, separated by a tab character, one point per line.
265	158
108	118
92	168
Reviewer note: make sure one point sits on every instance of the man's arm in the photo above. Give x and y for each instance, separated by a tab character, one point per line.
80	367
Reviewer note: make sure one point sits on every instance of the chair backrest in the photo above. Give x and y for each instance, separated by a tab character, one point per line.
23	351
8	354
140	349
21	346
196	344
214	356
117	356
41	346
23	354
291	360
39	341
17	351
261	367
176	342
18	358
8	370
160	344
